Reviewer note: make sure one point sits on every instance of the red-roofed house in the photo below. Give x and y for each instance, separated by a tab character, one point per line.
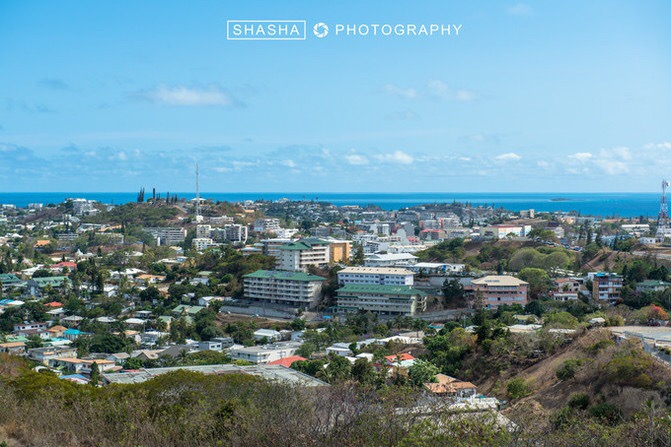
403	360
54	304
287	361
64	265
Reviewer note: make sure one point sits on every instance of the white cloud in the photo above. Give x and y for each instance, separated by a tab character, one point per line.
465	95
398	157
543	164
288	163
438	89
510	156
581	156
185	96
407	93
612	167
664	145
520	9
356	160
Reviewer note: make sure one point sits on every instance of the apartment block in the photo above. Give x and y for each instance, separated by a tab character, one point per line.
607	286
376	275
297	289
382	299
493	291
299	255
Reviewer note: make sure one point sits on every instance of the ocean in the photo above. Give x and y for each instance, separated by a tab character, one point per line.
596	204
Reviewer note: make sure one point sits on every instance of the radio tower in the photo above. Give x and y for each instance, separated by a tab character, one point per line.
197	195
663	223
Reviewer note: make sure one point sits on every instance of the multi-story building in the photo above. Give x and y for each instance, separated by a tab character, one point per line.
493	291
267	225
166	235
202	243
235	233
299	255
606	286
376	275
203	230
390	260
385	300
296	289
340	250
266	353
271	247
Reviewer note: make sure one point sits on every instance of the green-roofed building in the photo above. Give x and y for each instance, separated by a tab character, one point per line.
53	281
299	255
8	280
382	299
296	289
652	285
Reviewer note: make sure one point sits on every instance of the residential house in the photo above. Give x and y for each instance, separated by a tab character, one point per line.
492	291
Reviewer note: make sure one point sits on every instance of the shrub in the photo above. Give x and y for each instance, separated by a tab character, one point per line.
579	401
518	388
567	369
562	418
594	348
629	369
606	413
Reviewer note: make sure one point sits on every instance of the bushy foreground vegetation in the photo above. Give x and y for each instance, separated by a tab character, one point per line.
188	409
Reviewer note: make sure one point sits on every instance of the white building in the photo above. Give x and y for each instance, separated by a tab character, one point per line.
299	255
267	225
433	268
389	260
235	233
296	289
265	354
166	235
203	230
202	243
386	300
376	275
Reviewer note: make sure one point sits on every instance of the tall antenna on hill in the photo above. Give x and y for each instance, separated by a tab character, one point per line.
197	193
663	223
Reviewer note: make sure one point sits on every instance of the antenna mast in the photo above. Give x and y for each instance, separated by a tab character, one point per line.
197	194
663	223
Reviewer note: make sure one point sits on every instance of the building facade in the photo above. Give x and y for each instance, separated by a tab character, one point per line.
607	286
385	300
376	275
492	291
299	255
295	289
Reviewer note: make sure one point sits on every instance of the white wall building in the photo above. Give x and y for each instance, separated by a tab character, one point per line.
299	255
296	289
376	275
389	259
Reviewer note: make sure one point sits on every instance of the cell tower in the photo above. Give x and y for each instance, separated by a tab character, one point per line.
198	218
663	222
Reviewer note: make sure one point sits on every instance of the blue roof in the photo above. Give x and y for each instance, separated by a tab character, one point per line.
74	376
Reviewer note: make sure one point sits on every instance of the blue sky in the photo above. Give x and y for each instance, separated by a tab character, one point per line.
532	96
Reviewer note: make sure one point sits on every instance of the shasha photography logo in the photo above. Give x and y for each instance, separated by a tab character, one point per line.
320	30
297	30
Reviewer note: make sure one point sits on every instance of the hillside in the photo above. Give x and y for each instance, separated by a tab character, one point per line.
620	375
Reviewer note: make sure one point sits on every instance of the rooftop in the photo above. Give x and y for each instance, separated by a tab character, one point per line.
274	373
499	280
379	289
377	270
289	276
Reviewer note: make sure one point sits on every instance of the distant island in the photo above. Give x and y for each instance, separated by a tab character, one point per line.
560	199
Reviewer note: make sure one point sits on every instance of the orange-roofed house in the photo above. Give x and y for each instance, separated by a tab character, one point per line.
449	386
287	361
54	304
41	243
403	360
57	331
64	265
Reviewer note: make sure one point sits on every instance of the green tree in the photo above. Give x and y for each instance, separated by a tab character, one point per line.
422	372
453	293
363	371
95	374
538	279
